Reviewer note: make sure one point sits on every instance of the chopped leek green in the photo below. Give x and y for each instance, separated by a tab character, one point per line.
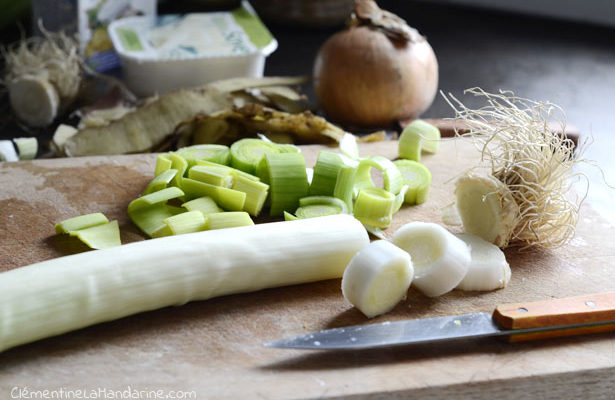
393	180
288	148
374	207
234	171
161	181
204	204
400	198
100	236
418	136
229	199
246	153
161	196
187	222
216	153
287	178
230	219
81	222
326	170
163	163
418	179
27	147
289	217
148	212
181	165
151	219
318	206
344	186
214	175
256	193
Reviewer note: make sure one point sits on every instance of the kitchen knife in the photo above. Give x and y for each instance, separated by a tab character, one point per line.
518	322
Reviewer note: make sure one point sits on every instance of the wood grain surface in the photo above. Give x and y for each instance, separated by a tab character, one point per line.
214	349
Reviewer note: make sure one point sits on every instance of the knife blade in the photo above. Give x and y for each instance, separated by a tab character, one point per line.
517	321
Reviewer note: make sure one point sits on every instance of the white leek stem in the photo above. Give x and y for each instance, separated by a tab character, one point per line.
72	292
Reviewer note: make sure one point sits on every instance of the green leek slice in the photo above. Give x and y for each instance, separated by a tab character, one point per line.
256	193
204	204
100	236
289	217
181	165
151	219
418	179
163	163
27	147
319	206
417	137
148	212
247	153
229	199
229	219
234	171
214	175
344	186
216	153
187	222
374	207
161	181
287	178
326	170
80	222
393	180
159	197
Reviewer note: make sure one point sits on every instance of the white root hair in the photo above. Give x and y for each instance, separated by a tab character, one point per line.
53	56
515	137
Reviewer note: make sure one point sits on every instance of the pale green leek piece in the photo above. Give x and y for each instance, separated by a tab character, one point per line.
187	222
27	147
418	179
374	207
419	136
318	206
216	153
204	204
94	230
393	180
287	178
80	222
161	181
229	219
247	153
100	236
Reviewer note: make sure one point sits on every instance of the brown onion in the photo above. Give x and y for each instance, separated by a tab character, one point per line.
368	75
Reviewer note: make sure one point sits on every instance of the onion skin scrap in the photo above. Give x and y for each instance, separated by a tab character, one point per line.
364	77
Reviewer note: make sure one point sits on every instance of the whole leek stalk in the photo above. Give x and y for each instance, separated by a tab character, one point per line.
72	292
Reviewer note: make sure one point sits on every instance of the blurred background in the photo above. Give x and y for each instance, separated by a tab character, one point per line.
561	51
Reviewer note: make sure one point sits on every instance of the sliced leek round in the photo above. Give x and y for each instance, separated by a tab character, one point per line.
440	259
377	278
34	100
418	179
488	269
247	153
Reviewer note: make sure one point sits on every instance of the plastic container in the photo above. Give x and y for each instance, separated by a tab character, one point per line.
172	51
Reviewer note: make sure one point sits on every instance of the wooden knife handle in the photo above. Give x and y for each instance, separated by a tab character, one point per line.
584	309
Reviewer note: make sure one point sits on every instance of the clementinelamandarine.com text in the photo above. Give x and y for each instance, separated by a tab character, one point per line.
100	393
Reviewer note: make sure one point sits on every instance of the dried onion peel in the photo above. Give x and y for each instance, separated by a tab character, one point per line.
532	165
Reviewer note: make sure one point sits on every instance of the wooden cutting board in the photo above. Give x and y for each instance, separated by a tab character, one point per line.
213	349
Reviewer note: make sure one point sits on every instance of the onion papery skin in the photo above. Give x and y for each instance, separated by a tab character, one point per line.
364	78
